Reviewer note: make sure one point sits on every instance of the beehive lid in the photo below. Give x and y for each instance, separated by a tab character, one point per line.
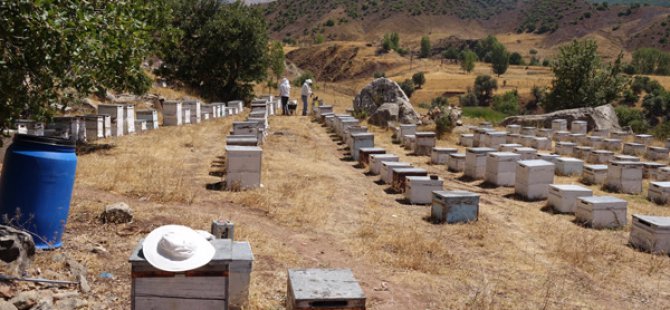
371	149
601	199
239	148
524	149
535	163
565	144
467	135
454	194
508	145
569	187
226	250
571	159
362	135
660	222
595	167
528	127
563	132
445	149
405	170
644	136
613	140
392	164
480	150
595	138
383	156
407	126
577	135
660	184
504	154
602	152
424	134
651	164
584	148
422	178
627	163
324	284
540	138
634	144
665	169
457	155
579	122
659	149
626	158
496	133
483	130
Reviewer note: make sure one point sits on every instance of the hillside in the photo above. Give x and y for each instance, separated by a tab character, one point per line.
621	26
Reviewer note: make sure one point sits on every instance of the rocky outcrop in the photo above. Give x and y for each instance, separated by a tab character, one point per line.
598	118
385	102
16	247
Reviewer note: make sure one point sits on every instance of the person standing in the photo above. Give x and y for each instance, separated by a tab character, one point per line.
306	94
284	93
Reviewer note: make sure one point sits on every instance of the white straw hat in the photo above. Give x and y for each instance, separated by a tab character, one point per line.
177	248
308	81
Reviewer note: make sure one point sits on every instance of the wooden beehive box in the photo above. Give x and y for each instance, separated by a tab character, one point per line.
643	139
243	167
365	152
466	140
634	149
568	166
613	145
456	162
579	127
561	136
651	233
563	197
565	148
651	170
400	177
376	161
387	170
600	157
527	153
582	152
657	153
361	140
659	192
508	147
528	131
601	211
594	174
221	284
501	168
596	142
559	125
425	141
454	207
313	289
513	129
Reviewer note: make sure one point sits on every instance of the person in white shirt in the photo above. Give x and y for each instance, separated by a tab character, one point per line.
306	94
284	93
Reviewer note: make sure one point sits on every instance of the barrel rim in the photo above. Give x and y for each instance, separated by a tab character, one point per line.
53	141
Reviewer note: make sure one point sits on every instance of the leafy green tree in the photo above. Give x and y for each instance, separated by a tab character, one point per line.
55	52
582	80
425	47
507	103
651	61
419	79
484	87
485	46
468	59
408	87
276	62
303	77
499	59
515	59
224	49
391	41
451	53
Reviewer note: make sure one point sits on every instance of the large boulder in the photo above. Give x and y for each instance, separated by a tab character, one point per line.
385	102
16	247
598	118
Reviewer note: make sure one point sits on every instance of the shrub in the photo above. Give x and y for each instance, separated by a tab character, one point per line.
468	100
425	47
379	74
330	23
484	87
516	59
484	113
662	131
631	117
408	87
419	79
451	53
443	125
303	77
629	97
507	104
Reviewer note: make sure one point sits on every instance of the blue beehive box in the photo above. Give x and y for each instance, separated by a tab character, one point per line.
454	207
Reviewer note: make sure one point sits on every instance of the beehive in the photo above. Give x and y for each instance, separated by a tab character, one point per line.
475	162
128	119
479	134
361	140
651	169
526	141
508	147
194	106
485	125
493	139
313	289
515	129
579	127
466	140
568	166
365	152
662	174
600	157
454	207
547	157
409	142
528	131
644	139
440	155
651	233
456	162
206	109
425	142
657	153
376	161
613	145
243	167
400	177
594	174
582	152
565	148
107	124
578	138
387	170
419	189
659	192
406	130
602	132
115	111
595	142
625	177
150	116
323	109
561	136
186	114
540	143
545	133
634	149
563	197
559	125
620	135
95	127
601	211
221	284
513	138
625	158
533	178
501	168
527	153
348	131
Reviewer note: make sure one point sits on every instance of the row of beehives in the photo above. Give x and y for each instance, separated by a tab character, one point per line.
243	152
114	120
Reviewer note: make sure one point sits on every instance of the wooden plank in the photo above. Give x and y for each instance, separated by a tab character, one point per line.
156	303
182	287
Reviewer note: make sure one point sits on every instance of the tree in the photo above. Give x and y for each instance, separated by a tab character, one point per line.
451	53
224	49
651	61
419	79
276	59
425	47
515	59
408	87
484	87
581	80
507	103
499	59
391	41
468	59
55	52
485	46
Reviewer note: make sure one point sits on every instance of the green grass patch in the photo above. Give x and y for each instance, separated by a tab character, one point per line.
484	113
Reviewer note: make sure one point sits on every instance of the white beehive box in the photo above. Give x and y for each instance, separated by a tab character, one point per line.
526	141
565	148
568	166
440	155
657	153
425	142
115	111
466	140
237	104
625	177
651	169
659	192
508	147
140	125
545	133
644	139
475	162
541	143
454	207
516	129
547	157
406	130
578	138
364	154
595	142
582	152
625	158
563	197
528	131
527	153
485	125
323	109
513	138
387	170
579	127
561	136
479	134
361	140
651	233
601	211
409	142
128	119
594	174
533	178
207	109
493	139
501	168
601	132
243	167
419	189
559	125
107	124
662	173
245	128
150	116
376	161
349	130
634	149
456	162
186	115
95	127
613	145
600	157
620	135
399	177
313	289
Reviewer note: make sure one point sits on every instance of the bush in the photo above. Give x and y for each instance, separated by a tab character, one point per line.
468	100
379	74
630	98
451	53
443	125
391	41
319	38
425	47
662	131
330	23
303	77
408	87
419	79
507	104
484	87
516	59
631	117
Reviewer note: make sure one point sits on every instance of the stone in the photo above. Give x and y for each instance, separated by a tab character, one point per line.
71	304
83	284
16	247
25	300
117	213
386	93
5	305
602	117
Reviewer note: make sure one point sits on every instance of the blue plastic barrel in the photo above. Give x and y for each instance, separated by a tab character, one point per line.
36	187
